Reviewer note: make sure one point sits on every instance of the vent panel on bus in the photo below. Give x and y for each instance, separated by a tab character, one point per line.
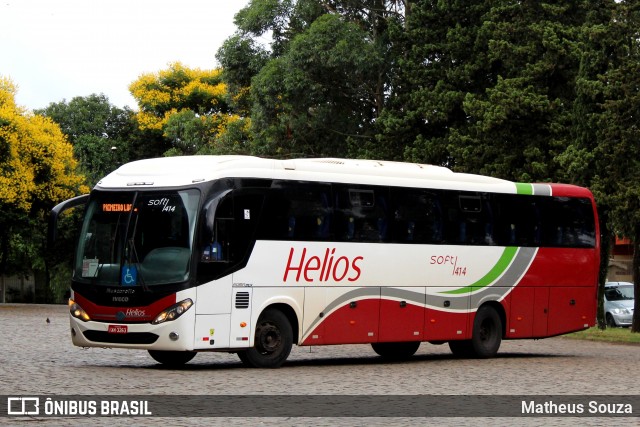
242	300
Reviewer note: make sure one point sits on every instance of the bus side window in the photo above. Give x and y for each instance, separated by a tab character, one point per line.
471	224
417	216
298	211
309	214
361	213
568	223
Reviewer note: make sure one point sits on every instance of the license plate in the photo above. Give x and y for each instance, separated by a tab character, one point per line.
117	329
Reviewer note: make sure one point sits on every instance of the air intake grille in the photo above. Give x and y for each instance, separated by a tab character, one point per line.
129	338
242	300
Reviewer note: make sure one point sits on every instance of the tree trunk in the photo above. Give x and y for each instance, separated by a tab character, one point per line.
635	325
605	252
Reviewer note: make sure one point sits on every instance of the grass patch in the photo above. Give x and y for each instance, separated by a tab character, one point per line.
617	335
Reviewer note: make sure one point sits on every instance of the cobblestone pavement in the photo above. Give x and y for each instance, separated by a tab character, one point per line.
37	357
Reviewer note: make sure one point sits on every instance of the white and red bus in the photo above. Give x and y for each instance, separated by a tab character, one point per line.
249	255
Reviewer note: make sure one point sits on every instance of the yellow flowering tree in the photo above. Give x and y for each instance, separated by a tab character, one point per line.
191	108
37	170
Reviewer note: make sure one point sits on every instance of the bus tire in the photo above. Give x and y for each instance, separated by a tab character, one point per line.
461	348
396	350
273	341
172	358
487	333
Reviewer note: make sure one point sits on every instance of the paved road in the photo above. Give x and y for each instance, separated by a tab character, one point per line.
37	357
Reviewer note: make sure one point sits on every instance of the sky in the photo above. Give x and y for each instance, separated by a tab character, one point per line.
55	50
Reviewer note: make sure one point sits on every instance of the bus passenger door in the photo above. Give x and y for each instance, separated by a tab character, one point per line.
401	314
212	314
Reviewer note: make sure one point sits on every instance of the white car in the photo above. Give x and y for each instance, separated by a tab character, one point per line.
618	303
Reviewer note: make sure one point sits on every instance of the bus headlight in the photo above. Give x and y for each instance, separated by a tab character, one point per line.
173	312
77	311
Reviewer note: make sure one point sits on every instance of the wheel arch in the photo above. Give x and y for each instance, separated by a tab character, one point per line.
289	302
291	315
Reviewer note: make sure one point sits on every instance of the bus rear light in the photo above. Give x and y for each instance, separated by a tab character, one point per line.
173	312
77	311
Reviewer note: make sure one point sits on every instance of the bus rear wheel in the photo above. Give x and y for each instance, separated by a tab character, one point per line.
273	341
172	358
486	336
487	332
396	350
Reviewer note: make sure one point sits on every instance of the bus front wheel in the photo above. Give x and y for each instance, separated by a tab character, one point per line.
273	341
172	358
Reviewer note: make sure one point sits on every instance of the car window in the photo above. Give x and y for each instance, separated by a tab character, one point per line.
620	293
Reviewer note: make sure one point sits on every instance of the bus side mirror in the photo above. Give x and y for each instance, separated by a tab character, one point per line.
52	232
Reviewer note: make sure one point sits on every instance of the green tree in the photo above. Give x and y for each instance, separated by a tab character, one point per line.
486	87
103	136
617	172
604	153
322	86
37	170
581	161
321	94
192	133
241	58
187	111
437	62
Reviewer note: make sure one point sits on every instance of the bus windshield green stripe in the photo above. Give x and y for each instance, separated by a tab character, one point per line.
497	270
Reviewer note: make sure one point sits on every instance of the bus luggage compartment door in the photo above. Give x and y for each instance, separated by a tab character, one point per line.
446	317
571	309
341	315
401	314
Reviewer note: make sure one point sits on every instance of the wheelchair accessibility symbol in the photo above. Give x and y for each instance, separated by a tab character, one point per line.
129	275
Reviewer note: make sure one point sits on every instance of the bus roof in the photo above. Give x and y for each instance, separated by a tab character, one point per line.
187	170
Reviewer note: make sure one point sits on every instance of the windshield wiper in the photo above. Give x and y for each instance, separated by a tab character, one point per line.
133	258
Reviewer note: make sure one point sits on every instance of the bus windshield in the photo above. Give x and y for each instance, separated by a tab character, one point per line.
140	238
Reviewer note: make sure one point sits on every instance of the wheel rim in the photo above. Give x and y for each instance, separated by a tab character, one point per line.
487	329
269	338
